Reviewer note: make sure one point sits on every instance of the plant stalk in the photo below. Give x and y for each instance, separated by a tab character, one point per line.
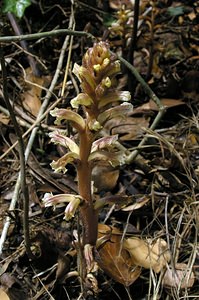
87	211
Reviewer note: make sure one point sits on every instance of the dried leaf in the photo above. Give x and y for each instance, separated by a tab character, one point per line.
141	202
31	96
180	277
4	119
147	253
151	105
117	264
127	128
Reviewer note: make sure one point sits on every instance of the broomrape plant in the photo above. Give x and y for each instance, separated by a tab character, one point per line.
99	99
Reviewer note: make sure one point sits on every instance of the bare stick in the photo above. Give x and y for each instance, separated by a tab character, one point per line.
34	36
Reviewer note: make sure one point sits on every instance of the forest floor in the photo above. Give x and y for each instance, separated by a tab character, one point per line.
161	183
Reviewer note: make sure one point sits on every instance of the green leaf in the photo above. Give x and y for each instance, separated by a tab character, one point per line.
175	11
16	7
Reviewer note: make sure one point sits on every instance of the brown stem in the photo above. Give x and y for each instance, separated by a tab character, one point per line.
88	213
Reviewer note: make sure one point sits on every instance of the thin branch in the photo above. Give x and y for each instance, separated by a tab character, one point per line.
151	95
146	87
34	36
24	187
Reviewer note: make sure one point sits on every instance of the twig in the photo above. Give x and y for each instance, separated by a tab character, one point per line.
33	131
34	36
146	87
22	159
153	96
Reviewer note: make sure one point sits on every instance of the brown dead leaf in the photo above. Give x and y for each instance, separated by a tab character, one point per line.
151	105
31	96
127	128
117	264
179	277
147	253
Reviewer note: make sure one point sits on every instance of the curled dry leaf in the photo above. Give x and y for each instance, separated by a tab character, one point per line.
114	261
180	277
147	253
138	204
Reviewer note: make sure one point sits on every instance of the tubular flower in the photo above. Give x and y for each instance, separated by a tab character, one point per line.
71	208
53	200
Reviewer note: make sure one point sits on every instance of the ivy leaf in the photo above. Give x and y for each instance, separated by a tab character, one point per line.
16	7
